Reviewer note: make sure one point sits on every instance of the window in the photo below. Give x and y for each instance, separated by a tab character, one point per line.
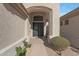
66	22
38	18
61	23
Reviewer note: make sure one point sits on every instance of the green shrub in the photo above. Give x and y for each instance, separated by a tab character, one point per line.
59	44
21	51
26	44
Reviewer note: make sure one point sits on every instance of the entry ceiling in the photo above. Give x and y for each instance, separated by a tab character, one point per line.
37	9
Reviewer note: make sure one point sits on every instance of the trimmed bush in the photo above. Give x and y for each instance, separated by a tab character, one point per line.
59	44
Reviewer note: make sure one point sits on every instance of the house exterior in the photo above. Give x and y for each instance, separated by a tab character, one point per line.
26	21
70	27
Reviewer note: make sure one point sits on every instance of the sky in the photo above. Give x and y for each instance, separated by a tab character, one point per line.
67	7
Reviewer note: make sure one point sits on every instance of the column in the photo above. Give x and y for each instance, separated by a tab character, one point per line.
50	24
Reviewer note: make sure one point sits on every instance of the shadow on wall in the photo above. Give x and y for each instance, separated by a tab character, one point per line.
13	10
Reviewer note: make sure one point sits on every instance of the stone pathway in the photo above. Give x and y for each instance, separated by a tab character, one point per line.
39	48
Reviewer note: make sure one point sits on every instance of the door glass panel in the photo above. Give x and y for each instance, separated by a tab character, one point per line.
40	29
35	29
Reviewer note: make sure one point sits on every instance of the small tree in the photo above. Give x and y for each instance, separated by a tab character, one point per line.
59	44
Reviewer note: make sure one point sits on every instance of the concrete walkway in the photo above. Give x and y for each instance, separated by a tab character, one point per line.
39	48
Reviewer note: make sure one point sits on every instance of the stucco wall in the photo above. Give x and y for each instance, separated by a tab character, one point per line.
71	31
11	27
56	20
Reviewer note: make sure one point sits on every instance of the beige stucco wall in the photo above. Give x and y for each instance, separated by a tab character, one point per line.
56	20
12	27
71	31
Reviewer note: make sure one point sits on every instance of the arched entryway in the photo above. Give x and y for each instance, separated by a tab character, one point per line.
39	21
